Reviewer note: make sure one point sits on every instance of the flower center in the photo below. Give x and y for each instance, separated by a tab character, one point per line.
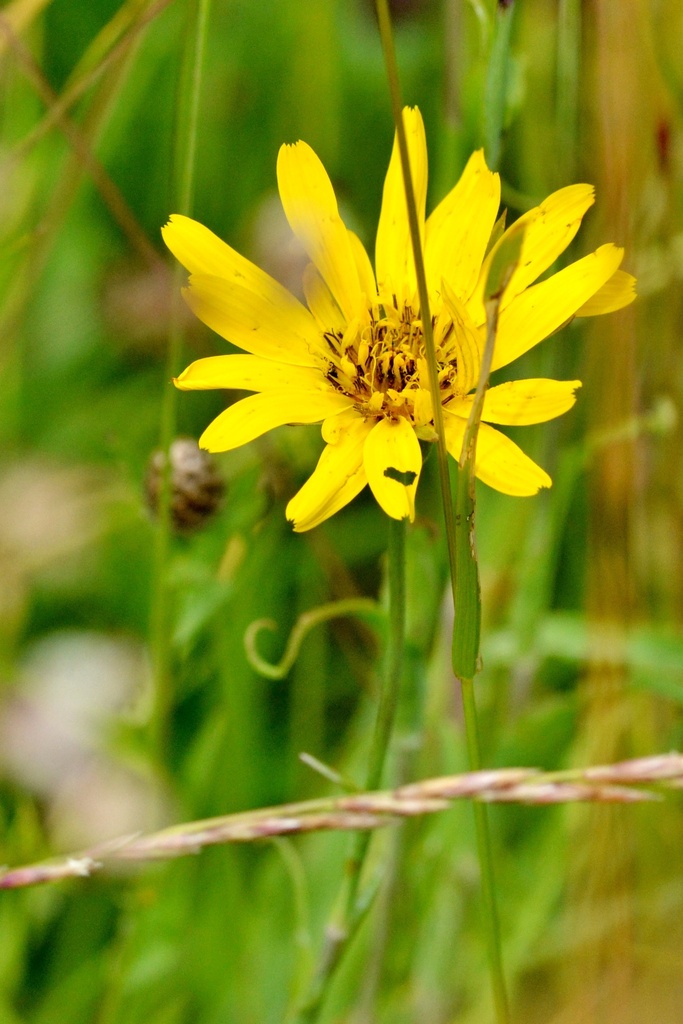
382	364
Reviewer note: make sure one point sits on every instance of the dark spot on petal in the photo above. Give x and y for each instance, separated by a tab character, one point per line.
406	478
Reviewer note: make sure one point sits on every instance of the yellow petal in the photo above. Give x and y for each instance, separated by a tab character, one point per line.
549	228
255	415
423	412
618	292
544	307
392	450
336	427
467	341
393	250
521	402
366	274
273	326
204	254
311	208
499	462
321	303
458	230
250	373
336	480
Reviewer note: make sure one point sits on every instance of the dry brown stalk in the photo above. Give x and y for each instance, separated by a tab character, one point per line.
626	782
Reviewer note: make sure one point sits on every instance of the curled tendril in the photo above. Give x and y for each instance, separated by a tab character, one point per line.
363	606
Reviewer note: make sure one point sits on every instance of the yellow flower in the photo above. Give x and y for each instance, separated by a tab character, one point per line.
355	359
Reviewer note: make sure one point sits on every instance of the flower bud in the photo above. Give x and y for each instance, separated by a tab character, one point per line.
196	486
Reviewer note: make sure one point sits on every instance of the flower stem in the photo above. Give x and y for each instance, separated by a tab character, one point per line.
486	865
187	122
472	738
386	35
389	695
352	907
497	83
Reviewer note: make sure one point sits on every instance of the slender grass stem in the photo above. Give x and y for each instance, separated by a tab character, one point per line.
351	907
497	83
567	102
187	120
481	819
389	695
486	862
82	148
467	603
386	34
103	52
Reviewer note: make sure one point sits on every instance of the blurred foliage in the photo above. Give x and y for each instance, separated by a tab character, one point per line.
582	586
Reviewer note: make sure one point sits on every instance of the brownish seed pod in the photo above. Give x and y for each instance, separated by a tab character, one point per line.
197	488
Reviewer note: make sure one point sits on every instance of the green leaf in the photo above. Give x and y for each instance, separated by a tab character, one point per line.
504	263
497	85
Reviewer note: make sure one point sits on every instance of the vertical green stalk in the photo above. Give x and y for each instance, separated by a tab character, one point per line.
389	696
467	602
486	863
567	104
351	908
187	124
481	818
466	592
497	83
387	37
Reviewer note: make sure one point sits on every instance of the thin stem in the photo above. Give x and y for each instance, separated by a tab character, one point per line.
188	119
486	863
567	104
82	149
469	606
351	909
466	590
389	695
387	37
481	820
88	71
497	83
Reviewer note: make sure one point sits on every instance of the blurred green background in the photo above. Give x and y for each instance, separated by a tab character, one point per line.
582	586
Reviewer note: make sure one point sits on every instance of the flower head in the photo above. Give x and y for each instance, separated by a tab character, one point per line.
354	360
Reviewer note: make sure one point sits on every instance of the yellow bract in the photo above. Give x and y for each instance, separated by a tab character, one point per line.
522	402
459	229
257	414
248	373
393	251
311	208
355	359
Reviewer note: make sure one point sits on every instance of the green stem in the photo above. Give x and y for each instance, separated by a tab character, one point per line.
389	695
187	120
486	864
481	820
387	37
466	589
351	908
497	84
567	103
